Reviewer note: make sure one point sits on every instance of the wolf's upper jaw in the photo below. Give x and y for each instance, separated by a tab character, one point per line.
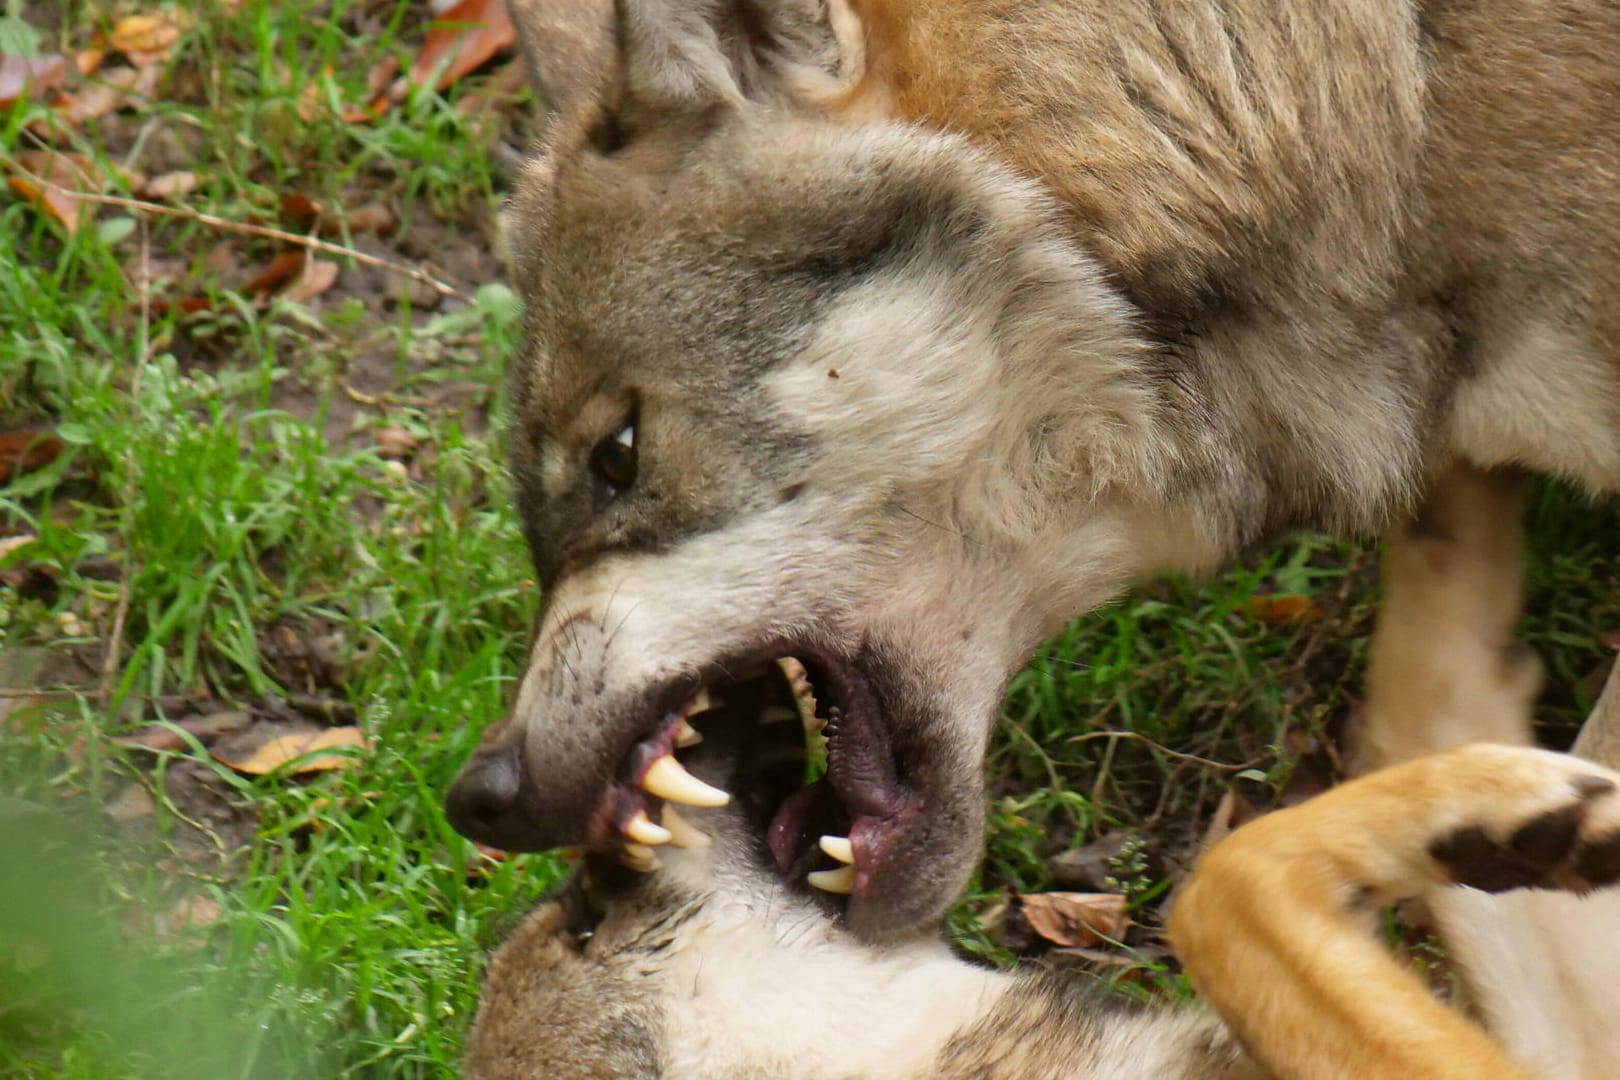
842	821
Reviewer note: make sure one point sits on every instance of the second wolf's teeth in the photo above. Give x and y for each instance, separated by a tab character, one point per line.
639	857
839	848
701	702
687	735
642	830
683	833
841	880
667	779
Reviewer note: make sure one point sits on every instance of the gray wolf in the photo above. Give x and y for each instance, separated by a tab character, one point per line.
717	966
890	334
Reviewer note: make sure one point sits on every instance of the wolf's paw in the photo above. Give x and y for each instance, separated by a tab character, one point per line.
1548	821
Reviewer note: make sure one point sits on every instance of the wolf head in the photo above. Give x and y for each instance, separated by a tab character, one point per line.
800	380
709	968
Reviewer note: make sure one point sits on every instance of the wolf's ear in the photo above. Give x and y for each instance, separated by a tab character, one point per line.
568	46
686	54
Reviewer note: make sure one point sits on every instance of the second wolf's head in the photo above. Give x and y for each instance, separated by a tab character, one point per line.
797	386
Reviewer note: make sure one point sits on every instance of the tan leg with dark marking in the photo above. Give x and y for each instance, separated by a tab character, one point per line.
1444	671
1277	924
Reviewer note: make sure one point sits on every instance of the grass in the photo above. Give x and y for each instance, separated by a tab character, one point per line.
233	484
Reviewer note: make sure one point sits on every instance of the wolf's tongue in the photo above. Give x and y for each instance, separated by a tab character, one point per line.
793	833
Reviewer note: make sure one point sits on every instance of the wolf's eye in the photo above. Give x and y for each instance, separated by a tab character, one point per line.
614	459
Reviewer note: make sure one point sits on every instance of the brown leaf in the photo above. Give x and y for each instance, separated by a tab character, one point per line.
466	35
370	218
148	37
285	267
89	60
278	752
395	442
67	172
192	913
133	804
27	449
381	74
316	277
169	185
299	211
204	729
1278	610
30	76
1076	919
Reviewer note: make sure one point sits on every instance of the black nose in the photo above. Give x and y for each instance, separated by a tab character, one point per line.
491	801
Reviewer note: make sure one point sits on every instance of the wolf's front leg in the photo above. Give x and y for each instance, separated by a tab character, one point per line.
1276	924
1443	668
1444	671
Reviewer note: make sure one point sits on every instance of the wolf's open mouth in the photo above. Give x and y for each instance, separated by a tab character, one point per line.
826	788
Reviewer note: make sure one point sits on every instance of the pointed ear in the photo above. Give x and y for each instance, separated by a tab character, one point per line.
693	53
568	47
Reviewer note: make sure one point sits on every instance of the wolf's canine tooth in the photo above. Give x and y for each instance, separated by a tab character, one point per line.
682	833
639	858
642	830
701	702
668	779
841	880
687	735
839	848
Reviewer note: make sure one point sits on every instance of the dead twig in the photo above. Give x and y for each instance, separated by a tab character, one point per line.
187	214
1194	759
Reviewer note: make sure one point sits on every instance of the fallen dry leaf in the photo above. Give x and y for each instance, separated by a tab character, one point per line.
30	75
192	913
89	60
147	36
133	804
203	728
278	752
395	442
1076	919
466	35
284	267
370	218
27	449
299	211
64	174
1278	610
169	185
316	277
119	88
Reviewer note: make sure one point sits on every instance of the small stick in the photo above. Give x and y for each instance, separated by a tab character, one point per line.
188	214
1113	736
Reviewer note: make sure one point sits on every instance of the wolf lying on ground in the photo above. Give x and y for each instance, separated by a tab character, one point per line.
716	966
890	334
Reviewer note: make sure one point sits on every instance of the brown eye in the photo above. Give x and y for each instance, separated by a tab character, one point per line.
614	459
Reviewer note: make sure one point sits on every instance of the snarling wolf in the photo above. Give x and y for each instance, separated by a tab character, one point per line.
715	966
890	334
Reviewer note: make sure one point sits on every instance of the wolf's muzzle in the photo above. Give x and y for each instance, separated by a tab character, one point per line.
491	800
